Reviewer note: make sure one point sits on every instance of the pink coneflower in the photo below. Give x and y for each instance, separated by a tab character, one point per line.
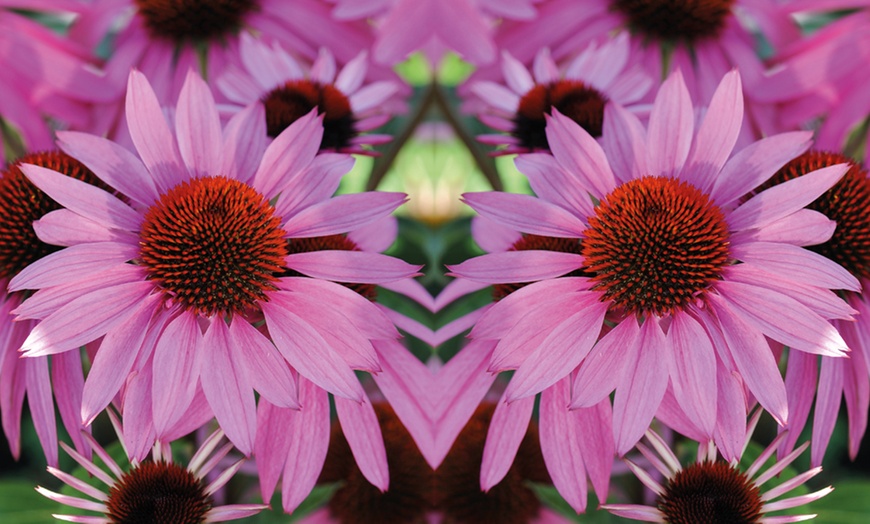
348	105
661	228
717	491
21	203
580	93
173	280
156	490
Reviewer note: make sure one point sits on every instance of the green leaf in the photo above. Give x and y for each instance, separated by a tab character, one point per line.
21	504
847	504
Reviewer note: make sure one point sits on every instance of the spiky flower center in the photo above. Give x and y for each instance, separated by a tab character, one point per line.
711	493
21	203
330	243
357	501
847	203
574	99
194	20
672	20
293	100
654	244
537	242
511	501
214	245
158	493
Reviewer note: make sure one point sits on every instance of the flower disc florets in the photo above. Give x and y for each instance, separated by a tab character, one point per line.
180	20
675	19
158	493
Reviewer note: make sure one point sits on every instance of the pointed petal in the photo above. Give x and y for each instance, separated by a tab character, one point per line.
526	213
694	373
671	125
517	266
351	266
342	213
177	366
263	365
198	128
363	433
506	431
309	434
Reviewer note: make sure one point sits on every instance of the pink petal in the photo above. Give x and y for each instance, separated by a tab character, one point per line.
526	213
605	366
139	434
73	263
198	127
496	95
288	154
373	95
150	133
227	388
516	75
351	76
517	266
561	445
244	141
804	227
798	263
553	183
309	441
67	379
623	139
456	289
827	406
41	406
177	366
506	431
317	182
363	433
730	434
800	387
671	124
305	350
377	236
233	512
492	236
351	266
579	153
65	228
640	393
694	373
263	365
342	213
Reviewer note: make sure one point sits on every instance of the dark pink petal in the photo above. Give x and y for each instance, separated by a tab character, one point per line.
342	214
84	199
305	350
730	434
526	213
579	153
783	319
856	389
288	154
640	393
67	379
112	163
177	366
753	358
71	264
151	134
492	236
309	434
786	198
265	368
104	309
114	360
456	289
717	134
671	124
804	227
827	406
561	444
624	141
553	183
562	351
62	227
694	372
517	266
363	433
41	406
198	128
244	141
506	431
800	386
139	434
377	236
227	388
351	266
605	366
754	164
317	182
798	263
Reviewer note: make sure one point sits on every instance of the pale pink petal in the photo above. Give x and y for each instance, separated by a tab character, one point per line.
717	133
84	199
786	198
562	351
342	213
151	134
227	388
671	124
263	365
798	263
544	68
323	69
579	153
233	512
317	182
560	444
516	75
506	431
373	95
363	434
198	128
527	214
114	360
804	227
112	163
351	266
623	139
754	164
41	406
827	408
640	393
376	237
65	228
517	266
605	366
177	366
554	184
307	351
351	76
456	289
496	95
635	512
288	154
104	309
694	373
73	263
244	141
492	236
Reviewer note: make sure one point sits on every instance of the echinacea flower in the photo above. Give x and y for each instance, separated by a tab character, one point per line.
661	229
349	105
173	280
156	490
717	491
596	75
21	203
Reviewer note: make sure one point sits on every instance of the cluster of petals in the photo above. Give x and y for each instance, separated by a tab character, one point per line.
175	365
711	355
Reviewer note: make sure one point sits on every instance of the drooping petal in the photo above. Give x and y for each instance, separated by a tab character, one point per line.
363	434
605	366
309	434
694	373
506	431
560	445
266	370
177	365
